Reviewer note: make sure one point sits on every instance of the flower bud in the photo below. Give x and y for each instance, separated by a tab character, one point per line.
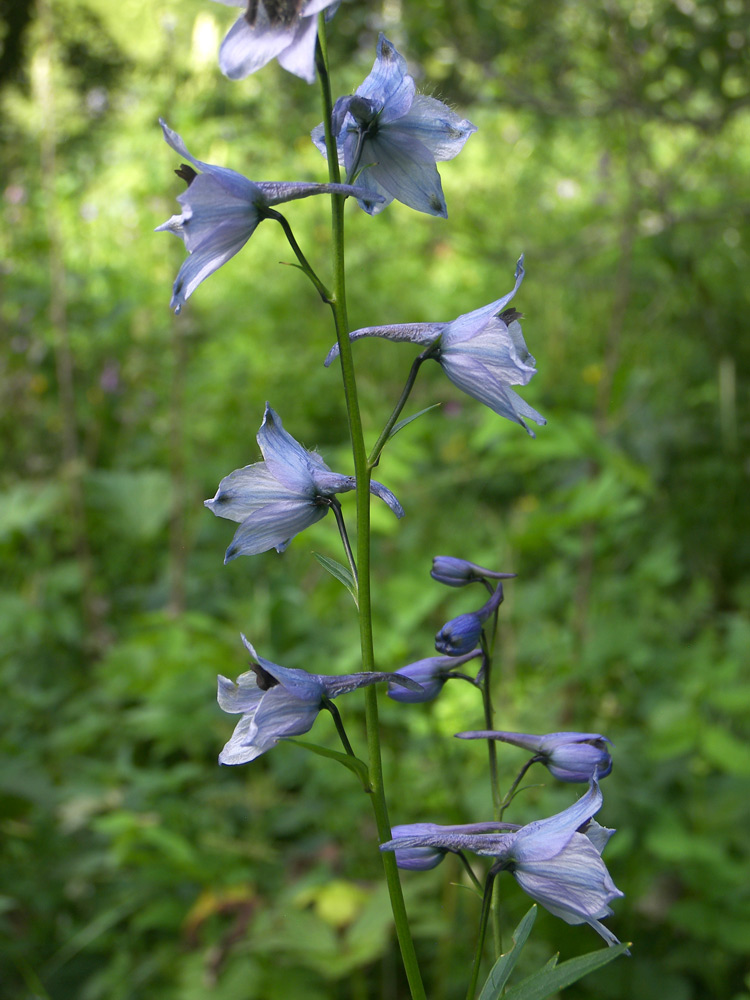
455	572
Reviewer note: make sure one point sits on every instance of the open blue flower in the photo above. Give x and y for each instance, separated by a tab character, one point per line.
463	633
455	572
277	498
272	29
395	136
220	212
550	859
568	756
278	701
482	352
431	674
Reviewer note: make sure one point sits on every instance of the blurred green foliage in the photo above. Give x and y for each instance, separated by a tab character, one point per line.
613	147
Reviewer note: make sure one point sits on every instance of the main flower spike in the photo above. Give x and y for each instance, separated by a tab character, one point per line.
461	634
395	136
277	498
431	674
273	29
555	864
278	701
455	572
220	212
482	352
567	756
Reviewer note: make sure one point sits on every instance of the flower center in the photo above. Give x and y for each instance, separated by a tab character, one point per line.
278	12
265	680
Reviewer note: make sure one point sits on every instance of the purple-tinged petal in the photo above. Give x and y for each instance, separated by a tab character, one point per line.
469	324
477	381
388	83
544	838
272	527
440	130
247	48
299	56
336	685
238	750
285	457
241	697
598	835
246	490
431	673
281	713
493	845
406	169
384	494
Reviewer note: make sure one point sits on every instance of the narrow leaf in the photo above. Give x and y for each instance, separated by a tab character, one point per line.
503	967
341	573
551	980
407	420
353	763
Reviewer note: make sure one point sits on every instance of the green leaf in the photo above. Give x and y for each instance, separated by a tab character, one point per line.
353	763
552	979
503	967
407	420
342	573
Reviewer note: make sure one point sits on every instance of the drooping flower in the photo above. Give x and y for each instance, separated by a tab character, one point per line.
568	756
555	864
273	29
278	701
462	634
277	498
431	674
482	352
422	859
220	212
455	572
395	136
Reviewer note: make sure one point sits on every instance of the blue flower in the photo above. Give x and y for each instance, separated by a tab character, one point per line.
273	29
463	633
455	572
550	859
277	498
568	756
422	859
482	352
276	702
220	212
395	136
431	674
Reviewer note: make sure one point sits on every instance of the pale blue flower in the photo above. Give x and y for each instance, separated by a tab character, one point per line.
395	136
277	498
273	29
278	701
455	572
431	674
482	352
555	864
568	756
220	212
463	633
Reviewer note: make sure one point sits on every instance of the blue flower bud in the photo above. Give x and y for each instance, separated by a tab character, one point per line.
459	635
567	756
430	673
459	572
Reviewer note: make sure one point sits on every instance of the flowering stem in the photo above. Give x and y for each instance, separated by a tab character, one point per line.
327	703
486	903
362	474
374	458
339	515
486	672
270	213
512	790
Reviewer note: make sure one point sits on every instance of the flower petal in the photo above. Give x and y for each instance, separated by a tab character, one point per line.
277	192
336	685
388	83
273	527
476	380
545	838
387	497
469	324
406	169
241	697
241	749
440	130
225	241
248	489
247	48
285	457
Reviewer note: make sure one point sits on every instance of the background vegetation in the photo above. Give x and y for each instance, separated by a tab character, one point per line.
614	149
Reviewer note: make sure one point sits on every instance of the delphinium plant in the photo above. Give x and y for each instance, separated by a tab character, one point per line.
382	143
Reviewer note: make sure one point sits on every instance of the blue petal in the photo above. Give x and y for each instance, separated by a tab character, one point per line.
388	83
225	241
240	749
479	382
545	838
504	355
468	325
241	697
387	497
233	183
299	56
303	685
406	169
273	527
440	130
285	457
246	49
344	683
246	490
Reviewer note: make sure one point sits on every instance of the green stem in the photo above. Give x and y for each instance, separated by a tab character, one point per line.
492	756
512	790
362	473
339	515
486	904
336	715
469	870
305	266
374	458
